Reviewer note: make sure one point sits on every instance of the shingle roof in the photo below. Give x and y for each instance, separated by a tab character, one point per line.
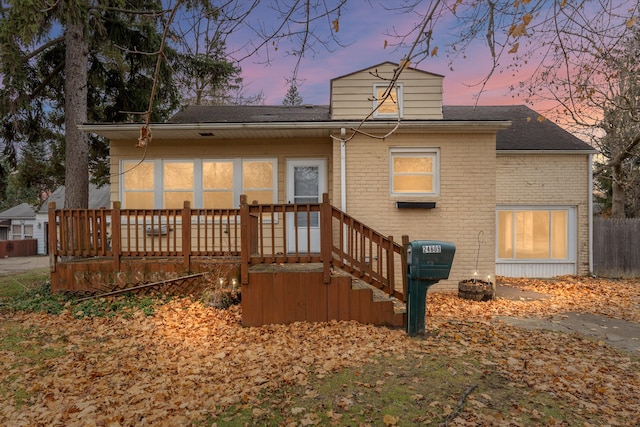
21	211
251	114
527	132
99	197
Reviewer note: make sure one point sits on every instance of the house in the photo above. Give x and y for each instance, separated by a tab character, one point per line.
18	229
99	197
24	222
511	190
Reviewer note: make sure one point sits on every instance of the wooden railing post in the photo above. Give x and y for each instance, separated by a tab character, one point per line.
326	238
245	240
391	265
186	234
116	233
53	237
403	262
103	249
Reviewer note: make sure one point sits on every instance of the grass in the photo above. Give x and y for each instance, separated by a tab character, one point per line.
31	292
33	348
15	285
425	390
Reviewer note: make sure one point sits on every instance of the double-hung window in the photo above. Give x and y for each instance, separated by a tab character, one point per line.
535	233
138	184
415	172
177	183
387	101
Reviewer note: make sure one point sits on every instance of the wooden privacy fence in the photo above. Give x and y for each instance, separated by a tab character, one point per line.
616	247
257	234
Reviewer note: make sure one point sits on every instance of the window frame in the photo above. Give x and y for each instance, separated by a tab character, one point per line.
376	102
431	152
570	233
198	189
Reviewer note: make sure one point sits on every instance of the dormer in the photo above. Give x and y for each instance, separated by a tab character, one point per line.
417	94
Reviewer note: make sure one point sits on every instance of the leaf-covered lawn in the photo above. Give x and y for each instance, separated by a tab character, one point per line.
189	364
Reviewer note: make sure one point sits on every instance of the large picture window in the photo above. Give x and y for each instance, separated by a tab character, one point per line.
534	234
212	184
414	172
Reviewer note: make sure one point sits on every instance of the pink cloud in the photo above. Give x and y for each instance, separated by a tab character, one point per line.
362	30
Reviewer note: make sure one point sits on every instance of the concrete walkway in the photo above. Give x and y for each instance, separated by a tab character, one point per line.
11	265
618	333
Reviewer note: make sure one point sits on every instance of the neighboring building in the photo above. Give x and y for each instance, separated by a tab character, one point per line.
25	222
99	197
511	191
18	231
18	223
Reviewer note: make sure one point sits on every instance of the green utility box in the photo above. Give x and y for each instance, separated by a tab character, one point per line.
428	261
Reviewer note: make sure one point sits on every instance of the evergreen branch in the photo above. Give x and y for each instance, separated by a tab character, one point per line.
42	48
43	84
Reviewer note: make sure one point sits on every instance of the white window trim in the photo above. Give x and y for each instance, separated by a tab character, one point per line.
198	199
416	152
572	231
376	113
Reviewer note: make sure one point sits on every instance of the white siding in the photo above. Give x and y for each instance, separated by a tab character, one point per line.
530	269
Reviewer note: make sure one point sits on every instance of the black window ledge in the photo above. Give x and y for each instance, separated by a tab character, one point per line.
416	205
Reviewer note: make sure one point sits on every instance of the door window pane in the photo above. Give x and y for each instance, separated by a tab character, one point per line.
306	188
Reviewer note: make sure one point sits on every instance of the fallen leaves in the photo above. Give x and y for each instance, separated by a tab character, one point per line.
189	363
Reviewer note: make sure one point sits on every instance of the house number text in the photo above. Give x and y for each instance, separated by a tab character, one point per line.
431	249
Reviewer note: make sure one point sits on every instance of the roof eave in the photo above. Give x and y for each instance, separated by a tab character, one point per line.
528	152
158	128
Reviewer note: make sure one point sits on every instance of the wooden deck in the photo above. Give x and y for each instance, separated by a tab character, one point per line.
104	250
288	293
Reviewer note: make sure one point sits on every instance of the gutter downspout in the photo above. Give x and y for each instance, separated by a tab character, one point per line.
343	170
590	209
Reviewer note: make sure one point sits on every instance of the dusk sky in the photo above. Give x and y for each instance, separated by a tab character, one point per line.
363	30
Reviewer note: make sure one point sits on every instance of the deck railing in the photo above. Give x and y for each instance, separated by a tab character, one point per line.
257	234
281	233
186	232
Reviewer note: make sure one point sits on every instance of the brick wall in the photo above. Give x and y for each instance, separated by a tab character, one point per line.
551	179
465	207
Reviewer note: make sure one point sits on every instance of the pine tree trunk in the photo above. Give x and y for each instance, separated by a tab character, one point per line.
76	146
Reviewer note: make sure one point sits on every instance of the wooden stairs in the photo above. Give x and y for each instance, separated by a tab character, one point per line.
287	293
